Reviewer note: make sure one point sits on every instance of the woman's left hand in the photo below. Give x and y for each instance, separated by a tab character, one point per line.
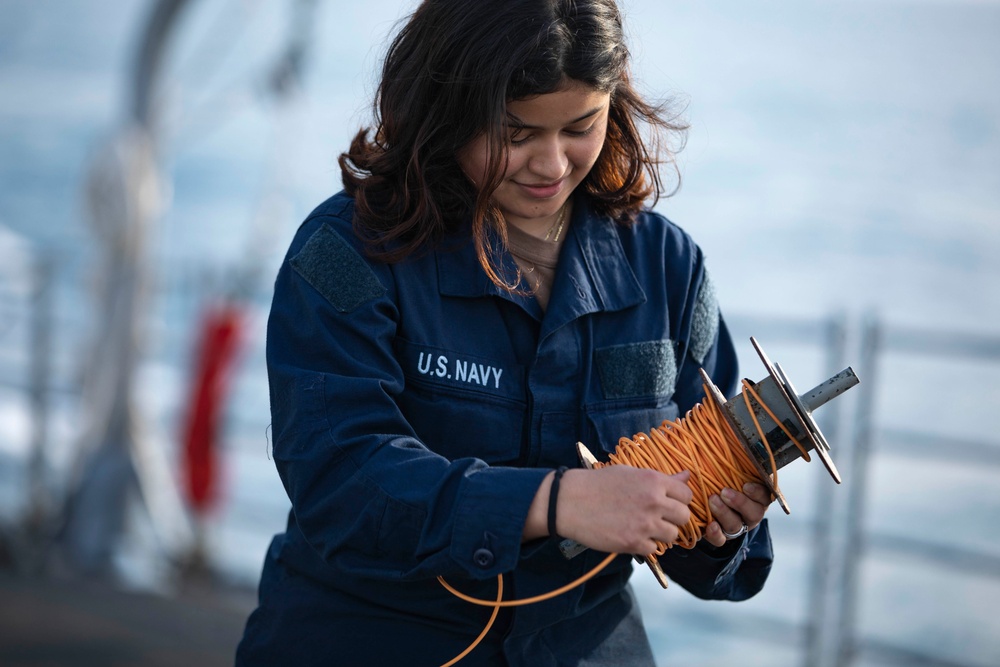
732	510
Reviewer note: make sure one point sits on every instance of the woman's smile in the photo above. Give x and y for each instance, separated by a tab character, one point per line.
542	190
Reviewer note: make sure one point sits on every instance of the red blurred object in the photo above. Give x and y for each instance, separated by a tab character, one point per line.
219	342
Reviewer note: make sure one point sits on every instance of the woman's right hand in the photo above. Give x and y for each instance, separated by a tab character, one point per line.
622	509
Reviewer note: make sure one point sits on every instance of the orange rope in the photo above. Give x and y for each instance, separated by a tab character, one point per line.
538	598
701	442
489	624
514	603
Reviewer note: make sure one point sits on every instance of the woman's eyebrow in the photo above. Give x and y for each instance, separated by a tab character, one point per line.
518	123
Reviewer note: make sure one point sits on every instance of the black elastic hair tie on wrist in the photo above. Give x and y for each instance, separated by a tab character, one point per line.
553	498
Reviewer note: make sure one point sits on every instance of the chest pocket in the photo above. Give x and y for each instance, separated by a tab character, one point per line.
637	382
461	404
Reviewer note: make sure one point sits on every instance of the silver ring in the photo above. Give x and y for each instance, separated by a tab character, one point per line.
739	533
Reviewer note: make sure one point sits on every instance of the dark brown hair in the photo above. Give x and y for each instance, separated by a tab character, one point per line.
447	78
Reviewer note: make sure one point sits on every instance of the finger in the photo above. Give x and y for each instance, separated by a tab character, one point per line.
749	510
714	535
668	533
649	547
728	519
758	493
682	476
676	513
677	487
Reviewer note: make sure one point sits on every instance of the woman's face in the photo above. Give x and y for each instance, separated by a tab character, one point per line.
554	141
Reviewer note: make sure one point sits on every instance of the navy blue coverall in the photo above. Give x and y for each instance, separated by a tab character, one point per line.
416	408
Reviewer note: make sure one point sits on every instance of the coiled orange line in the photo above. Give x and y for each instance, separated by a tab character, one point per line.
702	442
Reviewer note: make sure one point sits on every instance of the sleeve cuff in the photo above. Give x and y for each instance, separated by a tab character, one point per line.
492	509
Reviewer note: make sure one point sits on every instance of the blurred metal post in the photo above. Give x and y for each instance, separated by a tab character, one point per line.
854	545
38	387
816	639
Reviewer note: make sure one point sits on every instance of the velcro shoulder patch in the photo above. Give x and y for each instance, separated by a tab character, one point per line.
704	321
336	270
637	369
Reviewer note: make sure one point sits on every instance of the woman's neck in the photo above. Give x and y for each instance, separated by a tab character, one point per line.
551	228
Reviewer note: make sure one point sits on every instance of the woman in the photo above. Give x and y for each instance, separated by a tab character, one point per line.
487	291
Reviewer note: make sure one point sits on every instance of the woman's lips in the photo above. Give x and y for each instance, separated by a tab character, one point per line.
542	191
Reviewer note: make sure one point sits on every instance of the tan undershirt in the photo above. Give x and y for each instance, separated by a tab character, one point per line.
537	259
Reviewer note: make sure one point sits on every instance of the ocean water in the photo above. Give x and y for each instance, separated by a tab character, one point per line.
842	157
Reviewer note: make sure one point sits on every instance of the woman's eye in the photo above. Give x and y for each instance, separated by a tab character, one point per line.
519	137
580	133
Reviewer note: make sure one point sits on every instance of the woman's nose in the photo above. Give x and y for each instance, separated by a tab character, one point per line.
549	159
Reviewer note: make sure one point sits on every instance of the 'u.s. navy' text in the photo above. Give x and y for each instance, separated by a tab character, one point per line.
463	371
